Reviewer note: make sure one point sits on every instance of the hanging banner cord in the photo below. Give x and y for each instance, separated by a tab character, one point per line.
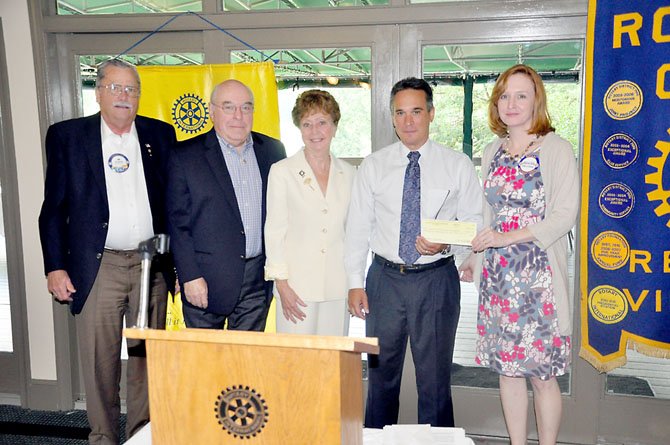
263	56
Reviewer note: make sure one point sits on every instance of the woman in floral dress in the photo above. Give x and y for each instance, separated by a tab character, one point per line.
531	188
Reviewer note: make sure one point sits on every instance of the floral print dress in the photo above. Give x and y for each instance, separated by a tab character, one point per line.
517	324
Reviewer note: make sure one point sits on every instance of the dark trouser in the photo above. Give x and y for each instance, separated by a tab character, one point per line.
251	310
424	307
115	294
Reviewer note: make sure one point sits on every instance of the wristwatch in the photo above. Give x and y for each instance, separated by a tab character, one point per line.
446	250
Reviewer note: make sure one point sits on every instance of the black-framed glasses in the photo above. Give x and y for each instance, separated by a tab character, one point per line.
116	89
229	108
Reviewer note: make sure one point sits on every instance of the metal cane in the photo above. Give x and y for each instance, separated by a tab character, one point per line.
148	248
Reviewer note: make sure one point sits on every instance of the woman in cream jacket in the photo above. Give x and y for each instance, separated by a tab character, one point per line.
307	201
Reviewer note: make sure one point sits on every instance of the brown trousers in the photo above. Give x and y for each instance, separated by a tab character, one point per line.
115	295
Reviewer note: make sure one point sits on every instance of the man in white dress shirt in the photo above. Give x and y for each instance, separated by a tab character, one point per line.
412	289
104	193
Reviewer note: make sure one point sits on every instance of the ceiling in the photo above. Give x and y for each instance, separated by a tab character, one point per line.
557	59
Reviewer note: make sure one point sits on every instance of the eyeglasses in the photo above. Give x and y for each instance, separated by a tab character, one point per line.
231	109
116	89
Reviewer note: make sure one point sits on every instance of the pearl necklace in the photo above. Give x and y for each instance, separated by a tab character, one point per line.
506	145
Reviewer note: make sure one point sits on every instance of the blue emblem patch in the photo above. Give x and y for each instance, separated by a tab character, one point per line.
118	162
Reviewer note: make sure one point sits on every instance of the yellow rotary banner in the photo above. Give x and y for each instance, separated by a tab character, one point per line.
180	95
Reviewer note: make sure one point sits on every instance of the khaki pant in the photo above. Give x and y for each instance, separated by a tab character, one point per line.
115	295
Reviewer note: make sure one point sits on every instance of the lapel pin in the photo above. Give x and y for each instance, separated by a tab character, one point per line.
302	173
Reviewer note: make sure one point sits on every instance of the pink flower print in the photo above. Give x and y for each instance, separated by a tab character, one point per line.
557	342
505	306
503	261
509	174
514	317
482	308
518	184
514	224
519	352
505	356
507	226
478	360
548	308
494	300
539	345
485	273
481	330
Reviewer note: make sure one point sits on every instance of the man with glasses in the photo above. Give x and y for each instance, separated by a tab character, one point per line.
216	213
104	194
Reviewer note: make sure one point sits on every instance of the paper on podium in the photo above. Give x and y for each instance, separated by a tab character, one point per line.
415	435
397	435
407	435
454	436
448	232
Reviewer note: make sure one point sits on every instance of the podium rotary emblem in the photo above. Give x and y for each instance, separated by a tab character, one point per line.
241	411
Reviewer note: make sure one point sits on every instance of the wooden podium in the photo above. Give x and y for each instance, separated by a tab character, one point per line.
233	387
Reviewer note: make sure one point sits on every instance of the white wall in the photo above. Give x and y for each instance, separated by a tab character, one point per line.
29	164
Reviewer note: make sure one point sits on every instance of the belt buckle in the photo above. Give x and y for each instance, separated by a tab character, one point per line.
402	269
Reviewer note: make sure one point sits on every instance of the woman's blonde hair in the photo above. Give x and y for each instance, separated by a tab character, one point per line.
541	123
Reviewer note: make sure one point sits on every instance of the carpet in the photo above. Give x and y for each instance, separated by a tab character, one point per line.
19	426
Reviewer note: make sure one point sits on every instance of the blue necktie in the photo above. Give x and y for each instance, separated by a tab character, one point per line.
410	217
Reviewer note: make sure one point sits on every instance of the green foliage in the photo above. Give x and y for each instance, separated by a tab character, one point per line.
563	102
354	131
353	138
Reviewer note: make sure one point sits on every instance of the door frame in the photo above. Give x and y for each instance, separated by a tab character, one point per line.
15	364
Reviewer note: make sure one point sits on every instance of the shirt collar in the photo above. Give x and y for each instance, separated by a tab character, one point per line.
404	150
107	132
248	144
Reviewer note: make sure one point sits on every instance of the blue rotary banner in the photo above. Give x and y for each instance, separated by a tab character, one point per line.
625	220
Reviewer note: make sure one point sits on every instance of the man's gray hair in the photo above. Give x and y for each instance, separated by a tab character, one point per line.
118	63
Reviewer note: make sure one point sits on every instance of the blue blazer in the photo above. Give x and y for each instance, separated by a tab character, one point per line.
204	221
75	213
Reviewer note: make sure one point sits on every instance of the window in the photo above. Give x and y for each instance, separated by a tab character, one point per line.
76	7
345	73
462	77
247	5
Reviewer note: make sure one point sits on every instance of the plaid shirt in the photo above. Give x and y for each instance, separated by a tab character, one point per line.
248	185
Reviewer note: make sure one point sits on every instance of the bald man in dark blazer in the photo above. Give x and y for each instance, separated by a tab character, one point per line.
216	213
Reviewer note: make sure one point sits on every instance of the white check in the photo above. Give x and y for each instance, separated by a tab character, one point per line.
448	232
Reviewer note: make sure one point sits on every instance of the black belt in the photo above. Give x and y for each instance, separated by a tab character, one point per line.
412	268
122	252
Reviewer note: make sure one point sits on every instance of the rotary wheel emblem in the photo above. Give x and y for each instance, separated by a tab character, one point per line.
656	178
190	113
241	411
